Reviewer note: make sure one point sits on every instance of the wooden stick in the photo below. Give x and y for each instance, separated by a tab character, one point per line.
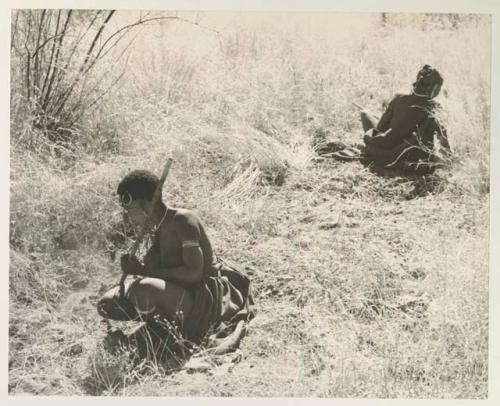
148	225
362	108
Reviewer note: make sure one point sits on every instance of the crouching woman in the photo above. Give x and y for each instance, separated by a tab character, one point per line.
408	135
180	279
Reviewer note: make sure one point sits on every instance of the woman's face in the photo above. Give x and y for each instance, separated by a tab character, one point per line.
435	91
136	213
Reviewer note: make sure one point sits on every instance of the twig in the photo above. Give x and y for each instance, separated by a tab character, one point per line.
118	78
14	31
55	70
35	55
77	42
82	93
148	20
65	96
94	42
51	59
362	108
28	60
45	42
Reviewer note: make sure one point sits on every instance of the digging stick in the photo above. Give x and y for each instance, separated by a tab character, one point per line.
148	225
362	108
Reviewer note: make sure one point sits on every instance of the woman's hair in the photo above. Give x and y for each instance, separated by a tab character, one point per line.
138	184
429	81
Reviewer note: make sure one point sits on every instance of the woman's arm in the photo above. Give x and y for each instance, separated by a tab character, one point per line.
189	273
386	140
383	123
386	137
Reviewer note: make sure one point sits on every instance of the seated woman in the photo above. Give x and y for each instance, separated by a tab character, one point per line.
405	135
180	279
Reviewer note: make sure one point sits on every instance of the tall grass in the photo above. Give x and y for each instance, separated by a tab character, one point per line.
361	292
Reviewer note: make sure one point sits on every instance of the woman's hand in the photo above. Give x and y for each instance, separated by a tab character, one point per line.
130	265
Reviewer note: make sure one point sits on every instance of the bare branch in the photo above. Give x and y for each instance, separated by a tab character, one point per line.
54	37
149	20
78	40
13	33
63	55
28	59
46	34
65	96
120	76
56	60
51	59
75	47
110	48
35	55
94	42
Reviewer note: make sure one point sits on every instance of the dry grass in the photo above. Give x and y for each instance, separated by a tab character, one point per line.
363	289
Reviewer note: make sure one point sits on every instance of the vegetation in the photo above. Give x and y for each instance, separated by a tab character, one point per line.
366	285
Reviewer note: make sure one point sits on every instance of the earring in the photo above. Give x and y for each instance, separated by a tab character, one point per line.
126	199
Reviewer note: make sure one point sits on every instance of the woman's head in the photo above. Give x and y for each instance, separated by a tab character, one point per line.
136	192
429	82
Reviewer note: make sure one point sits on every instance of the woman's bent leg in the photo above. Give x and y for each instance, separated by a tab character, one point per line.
115	307
367	121
145	298
153	295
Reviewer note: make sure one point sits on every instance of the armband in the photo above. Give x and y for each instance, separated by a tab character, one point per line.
190	243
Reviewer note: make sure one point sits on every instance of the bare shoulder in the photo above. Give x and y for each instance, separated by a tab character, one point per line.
185	218
395	99
401	96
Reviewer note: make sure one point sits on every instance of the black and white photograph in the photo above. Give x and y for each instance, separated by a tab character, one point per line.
248	203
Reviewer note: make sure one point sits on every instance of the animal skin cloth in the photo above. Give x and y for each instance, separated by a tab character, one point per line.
221	299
